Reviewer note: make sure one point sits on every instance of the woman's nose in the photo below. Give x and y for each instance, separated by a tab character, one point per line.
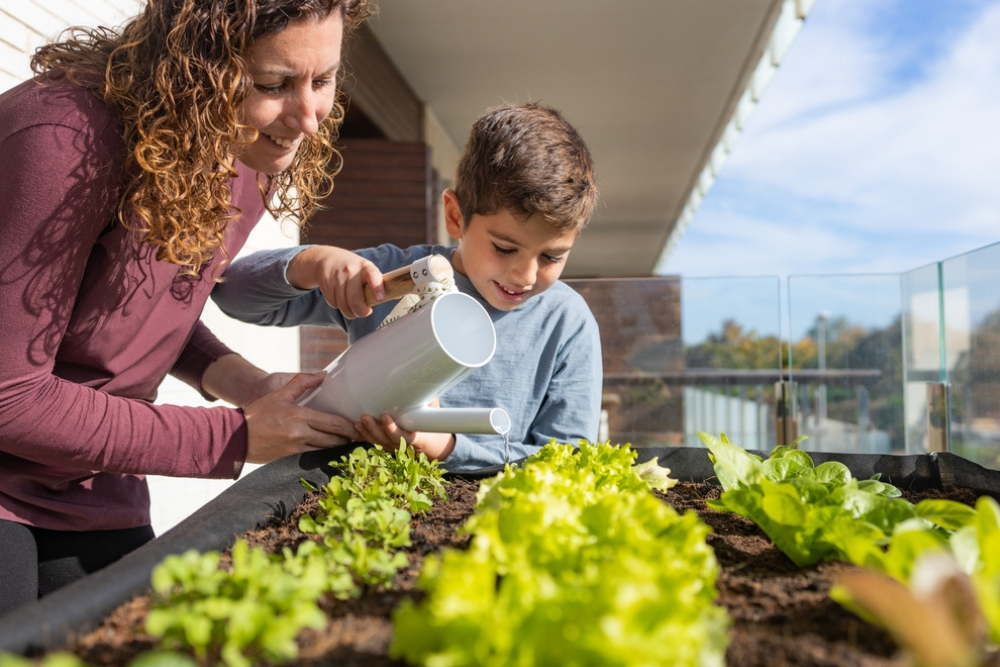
305	111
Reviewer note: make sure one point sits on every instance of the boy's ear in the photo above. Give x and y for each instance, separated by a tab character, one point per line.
453	220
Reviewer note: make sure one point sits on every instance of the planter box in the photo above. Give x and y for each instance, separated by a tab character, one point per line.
274	491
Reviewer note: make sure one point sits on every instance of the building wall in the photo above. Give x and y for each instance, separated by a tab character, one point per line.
27	24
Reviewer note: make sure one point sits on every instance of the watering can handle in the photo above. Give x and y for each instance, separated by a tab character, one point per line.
402	281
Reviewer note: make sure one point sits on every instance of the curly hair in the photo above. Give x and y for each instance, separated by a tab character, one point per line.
527	159
176	75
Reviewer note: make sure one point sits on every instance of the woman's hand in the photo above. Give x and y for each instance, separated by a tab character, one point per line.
386	432
277	427
340	275
235	380
268	384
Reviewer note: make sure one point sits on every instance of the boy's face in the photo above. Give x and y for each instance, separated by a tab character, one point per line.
508	261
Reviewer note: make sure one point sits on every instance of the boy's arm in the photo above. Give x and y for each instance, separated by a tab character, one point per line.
256	290
384	431
340	275
304	285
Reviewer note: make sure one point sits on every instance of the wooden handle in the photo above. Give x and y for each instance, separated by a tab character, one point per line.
397	283
402	281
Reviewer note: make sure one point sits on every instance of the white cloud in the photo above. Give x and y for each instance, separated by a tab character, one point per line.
850	169
742	245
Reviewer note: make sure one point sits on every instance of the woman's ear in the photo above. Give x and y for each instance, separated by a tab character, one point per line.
453	220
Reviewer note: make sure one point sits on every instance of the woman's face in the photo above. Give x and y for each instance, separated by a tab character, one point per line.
294	75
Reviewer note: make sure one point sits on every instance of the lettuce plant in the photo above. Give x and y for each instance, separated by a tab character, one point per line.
976	548
364	515
409	478
252	611
946	612
814	513
935	619
56	659
66	659
573	561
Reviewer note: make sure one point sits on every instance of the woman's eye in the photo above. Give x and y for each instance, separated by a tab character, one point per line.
270	90
504	251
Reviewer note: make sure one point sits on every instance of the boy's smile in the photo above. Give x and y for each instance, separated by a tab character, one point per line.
507	260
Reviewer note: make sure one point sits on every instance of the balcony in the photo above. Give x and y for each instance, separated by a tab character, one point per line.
878	363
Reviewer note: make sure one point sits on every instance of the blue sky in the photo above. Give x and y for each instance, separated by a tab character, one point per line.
875	150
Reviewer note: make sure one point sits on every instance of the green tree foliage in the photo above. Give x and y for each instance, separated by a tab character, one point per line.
848	346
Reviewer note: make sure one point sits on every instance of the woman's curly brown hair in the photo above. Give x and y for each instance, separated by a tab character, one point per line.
176	75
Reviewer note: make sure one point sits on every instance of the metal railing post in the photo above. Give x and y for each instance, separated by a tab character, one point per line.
786	425
938	417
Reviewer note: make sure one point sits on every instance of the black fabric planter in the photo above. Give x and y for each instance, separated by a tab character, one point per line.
271	490
274	491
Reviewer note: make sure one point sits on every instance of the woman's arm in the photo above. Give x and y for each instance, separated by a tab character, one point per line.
94	413
235	380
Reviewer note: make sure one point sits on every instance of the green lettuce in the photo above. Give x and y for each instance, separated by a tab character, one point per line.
573	561
815	513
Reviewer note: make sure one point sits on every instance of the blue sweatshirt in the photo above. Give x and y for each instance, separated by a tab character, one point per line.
546	372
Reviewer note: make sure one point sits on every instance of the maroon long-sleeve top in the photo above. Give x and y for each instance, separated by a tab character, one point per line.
91	322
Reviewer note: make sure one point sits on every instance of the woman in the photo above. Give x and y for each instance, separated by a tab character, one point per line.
137	163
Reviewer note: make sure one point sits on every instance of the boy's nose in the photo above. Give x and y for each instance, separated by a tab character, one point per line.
524	273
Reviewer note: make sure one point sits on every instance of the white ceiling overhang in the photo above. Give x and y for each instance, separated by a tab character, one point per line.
652	85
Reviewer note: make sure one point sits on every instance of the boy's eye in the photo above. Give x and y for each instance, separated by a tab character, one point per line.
552	259
504	251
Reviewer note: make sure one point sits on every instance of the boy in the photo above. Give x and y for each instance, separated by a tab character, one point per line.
523	192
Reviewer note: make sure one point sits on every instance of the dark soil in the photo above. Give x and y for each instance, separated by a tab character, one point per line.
781	614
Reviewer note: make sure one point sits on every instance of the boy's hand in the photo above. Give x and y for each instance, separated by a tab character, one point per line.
386	432
340	275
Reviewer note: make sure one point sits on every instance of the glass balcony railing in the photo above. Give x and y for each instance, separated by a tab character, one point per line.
970	339
687	355
923	360
883	363
845	358
731	328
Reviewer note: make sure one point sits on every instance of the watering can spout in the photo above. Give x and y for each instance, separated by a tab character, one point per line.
456	420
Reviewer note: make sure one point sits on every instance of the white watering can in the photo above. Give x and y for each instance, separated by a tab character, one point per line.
412	359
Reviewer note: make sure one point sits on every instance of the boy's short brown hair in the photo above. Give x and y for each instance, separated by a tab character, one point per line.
526	159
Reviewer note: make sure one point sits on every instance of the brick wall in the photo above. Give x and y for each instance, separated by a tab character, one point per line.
640	324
